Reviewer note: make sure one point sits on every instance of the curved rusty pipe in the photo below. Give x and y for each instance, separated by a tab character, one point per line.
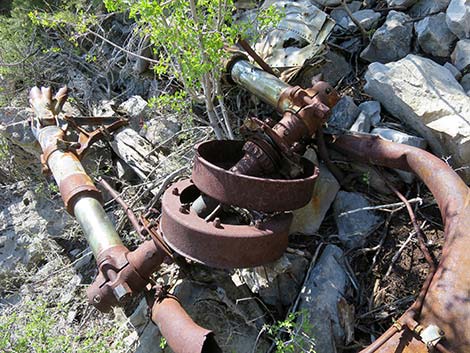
181	332
445	298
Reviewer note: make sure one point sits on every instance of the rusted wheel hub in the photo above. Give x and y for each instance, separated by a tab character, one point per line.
229	239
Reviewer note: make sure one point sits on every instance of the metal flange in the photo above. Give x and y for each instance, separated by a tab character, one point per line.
217	244
212	176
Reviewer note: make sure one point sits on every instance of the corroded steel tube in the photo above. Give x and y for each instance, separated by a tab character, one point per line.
446	303
81	197
181	332
262	84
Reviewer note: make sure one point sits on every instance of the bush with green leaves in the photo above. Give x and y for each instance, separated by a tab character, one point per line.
190	38
293	334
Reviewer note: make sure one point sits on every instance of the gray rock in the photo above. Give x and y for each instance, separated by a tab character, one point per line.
324	302
426	7
344	113
339	13
434	37
456	72
328	3
137	109
465	83
14	126
160	129
392	41
372	110
367	18
461	54
441	114
354	224
352	45
401	3
333	69
28	222
307	220
458	18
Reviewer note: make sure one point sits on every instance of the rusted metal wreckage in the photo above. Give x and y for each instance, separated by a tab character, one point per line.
267	176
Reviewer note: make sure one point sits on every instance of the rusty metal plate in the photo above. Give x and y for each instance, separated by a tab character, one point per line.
224	245
212	176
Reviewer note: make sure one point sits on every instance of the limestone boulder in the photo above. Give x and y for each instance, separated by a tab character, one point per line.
425	96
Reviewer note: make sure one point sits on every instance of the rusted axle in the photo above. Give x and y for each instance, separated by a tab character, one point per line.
443	306
121	273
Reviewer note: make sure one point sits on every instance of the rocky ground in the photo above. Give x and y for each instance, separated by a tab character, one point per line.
353	263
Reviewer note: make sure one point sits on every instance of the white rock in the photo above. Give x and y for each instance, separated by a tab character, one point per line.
434	37
399	137
458	18
362	123
307	220
461	54
425	96
276	283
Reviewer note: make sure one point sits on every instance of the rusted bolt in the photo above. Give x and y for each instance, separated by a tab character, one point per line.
184	208
216	222
97	299
121	291
175	192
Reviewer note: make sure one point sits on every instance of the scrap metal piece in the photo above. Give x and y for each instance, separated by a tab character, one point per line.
180	331
219	244
212	175
298	38
431	335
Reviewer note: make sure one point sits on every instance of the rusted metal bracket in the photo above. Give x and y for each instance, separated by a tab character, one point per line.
107	125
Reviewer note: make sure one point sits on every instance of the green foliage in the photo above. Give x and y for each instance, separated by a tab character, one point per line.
191	39
163	343
4	149
292	334
42	329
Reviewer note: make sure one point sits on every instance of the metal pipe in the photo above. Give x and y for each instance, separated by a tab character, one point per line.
181	332
446	303
262	84
81	198
97	228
